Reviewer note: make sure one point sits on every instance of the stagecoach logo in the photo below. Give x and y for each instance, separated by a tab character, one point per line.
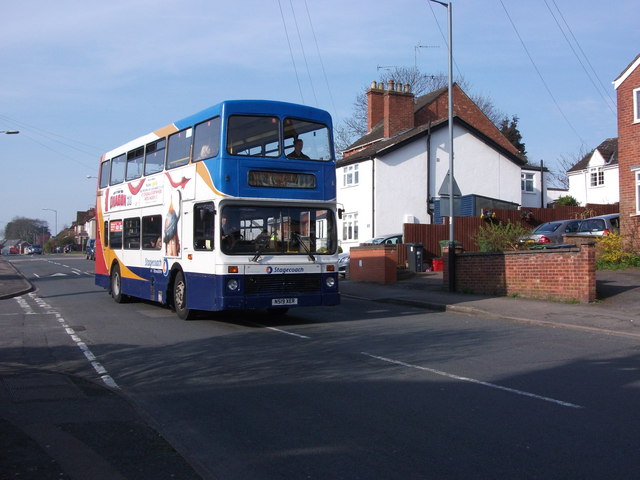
285	270
165	267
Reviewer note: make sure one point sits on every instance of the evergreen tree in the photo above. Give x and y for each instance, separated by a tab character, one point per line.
509	129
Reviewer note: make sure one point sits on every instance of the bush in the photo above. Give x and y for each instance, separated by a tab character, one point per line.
610	254
567	201
498	237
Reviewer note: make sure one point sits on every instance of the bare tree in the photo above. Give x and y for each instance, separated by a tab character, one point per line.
564	163
355	126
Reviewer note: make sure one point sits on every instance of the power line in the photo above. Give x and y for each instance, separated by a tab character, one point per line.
607	94
304	55
546	86
326	80
295	69
50	136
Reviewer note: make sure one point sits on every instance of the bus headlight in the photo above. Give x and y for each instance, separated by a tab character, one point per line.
232	285
330	282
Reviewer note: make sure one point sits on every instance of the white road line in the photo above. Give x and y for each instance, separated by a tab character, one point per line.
86	351
279	330
472	380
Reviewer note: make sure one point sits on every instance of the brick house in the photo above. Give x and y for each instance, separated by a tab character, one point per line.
397	172
627	86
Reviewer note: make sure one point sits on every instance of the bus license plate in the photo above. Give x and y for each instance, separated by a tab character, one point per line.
284	301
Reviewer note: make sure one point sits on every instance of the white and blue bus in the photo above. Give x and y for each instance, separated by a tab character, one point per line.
231	208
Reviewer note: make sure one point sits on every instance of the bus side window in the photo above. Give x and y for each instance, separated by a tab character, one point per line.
105	173
134	163
154	157
132	233
206	143
152	232
179	148
105	234
203	226
115	234
118	166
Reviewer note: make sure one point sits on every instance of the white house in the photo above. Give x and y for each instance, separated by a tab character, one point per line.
534	182
595	178
396	173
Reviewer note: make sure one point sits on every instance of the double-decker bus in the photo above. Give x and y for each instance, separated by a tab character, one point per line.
233	207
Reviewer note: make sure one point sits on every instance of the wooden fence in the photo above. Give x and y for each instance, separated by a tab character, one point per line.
466	228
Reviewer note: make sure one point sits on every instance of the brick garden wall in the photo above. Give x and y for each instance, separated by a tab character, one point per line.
562	275
373	263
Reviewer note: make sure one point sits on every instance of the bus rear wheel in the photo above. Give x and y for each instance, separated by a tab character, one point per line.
116	285
180	298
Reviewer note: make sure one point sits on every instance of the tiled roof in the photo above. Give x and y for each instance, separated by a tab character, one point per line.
609	151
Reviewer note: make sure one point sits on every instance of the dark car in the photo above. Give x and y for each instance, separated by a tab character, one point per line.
552	232
90	249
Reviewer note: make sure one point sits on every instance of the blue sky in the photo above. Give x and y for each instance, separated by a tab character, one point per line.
80	78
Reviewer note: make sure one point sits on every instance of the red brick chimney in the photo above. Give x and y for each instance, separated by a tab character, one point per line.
394	106
375	112
398	109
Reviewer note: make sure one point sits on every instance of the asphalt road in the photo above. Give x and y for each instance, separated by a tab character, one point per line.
359	391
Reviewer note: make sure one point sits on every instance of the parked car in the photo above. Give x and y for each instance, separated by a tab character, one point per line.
343	263
552	232
10	251
600	225
35	250
90	249
391	239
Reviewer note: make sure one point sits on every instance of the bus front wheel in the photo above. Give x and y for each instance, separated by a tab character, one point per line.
116	285
180	298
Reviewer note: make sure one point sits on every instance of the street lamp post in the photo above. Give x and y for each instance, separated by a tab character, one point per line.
452	245
56	212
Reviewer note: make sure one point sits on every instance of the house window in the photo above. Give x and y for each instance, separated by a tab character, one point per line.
350	175
637	192
596	177
636	105
350	226
526	181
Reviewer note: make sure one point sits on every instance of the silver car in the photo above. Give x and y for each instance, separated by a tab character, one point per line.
552	232
600	225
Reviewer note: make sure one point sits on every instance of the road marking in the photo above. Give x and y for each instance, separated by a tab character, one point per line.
279	330
86	351
473	380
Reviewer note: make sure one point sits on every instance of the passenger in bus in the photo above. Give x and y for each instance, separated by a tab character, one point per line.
297	150
205	152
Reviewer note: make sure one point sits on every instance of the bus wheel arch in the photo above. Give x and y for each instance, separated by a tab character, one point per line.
115	284
178	289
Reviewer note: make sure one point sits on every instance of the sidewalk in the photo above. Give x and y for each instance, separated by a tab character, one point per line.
54	425
617	310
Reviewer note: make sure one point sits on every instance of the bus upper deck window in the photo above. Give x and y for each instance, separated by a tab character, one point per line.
206	143
253	136
118	166
134	163
105	173
179	148
154	157
315	138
